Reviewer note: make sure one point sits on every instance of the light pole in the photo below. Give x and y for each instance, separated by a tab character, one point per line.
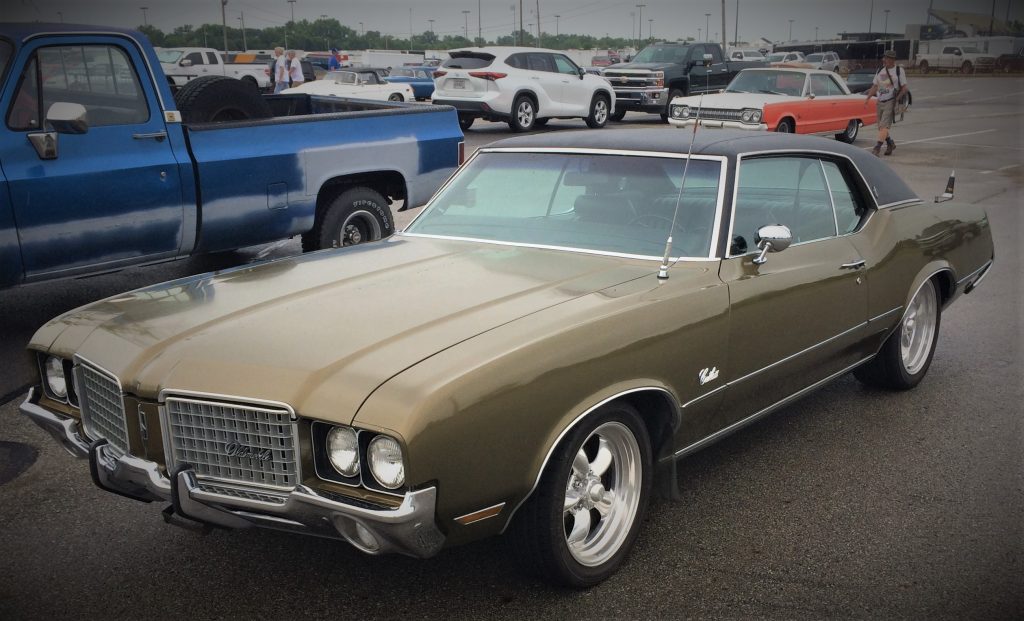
465	16
791	30
871	16
632	32
224	23
639	34
479	24
650	29
815	33
736	28
241	20
410	29
556	24
707	21
292	2
886	27
539	43
515	35
144	9
362	31
429	20
698	33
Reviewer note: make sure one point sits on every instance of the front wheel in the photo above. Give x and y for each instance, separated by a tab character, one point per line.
524	113
396	97
967	67
924	66
586	513
786	126
672	94
848	136
906	355
355	216
598	117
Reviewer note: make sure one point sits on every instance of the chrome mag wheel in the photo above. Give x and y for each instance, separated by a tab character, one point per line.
917	331
602	495
360	226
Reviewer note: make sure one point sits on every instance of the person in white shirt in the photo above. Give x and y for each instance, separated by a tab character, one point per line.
280	70
890	84
294	70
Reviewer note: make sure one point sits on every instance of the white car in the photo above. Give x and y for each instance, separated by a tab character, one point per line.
826	61
781	58
523	86
361	84
746	55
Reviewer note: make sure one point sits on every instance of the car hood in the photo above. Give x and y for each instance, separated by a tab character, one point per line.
321	332
733	101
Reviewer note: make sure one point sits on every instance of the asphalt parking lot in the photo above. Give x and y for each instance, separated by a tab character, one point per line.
850	503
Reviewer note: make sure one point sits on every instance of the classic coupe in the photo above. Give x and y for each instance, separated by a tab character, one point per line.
421	79
802	101
569	316
358	83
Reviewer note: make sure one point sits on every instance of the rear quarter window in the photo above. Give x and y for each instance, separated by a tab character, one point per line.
468	61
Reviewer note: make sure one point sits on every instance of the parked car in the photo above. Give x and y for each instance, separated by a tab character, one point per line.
358	83
523	86
421	79
956	58
859	80
1010	62
785	58
664	71
802	101
557	364
755	55
604	60
181	64
106	169
826	61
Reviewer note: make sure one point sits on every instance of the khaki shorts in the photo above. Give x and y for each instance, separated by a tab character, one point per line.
886	111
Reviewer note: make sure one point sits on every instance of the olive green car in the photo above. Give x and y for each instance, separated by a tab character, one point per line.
523	357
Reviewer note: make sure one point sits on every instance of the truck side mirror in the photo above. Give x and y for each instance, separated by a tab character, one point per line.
582	72
67	118
707	60
186	63
957	52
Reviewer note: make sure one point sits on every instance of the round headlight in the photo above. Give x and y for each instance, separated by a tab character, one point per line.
755	116
386	462
746	116
677	111
55	379
685	112
343	450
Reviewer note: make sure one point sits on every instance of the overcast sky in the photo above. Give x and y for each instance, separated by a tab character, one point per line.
672	18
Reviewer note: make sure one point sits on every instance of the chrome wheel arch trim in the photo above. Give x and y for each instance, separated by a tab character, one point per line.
924	281
676	418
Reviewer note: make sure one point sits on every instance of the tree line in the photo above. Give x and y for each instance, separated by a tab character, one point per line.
323	34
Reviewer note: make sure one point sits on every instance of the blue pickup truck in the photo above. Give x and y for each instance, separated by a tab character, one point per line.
101	167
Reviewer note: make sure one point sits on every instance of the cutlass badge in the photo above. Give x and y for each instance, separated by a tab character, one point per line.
706	375
241	451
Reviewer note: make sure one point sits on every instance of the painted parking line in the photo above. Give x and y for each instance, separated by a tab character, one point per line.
989	172
996	97
966	90
983	131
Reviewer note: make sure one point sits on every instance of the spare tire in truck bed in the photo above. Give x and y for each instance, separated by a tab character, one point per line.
215	98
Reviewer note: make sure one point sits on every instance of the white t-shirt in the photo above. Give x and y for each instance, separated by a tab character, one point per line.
295	72
889	82
281	70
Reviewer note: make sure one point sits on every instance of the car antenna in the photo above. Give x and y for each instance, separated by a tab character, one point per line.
663	271
948	194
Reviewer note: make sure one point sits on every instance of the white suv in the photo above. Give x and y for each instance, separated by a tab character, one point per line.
523	86
829	61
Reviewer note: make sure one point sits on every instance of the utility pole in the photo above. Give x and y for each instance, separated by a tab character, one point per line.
650	29
144	22
521	18
639	33
429	20
736	28
538	25
991	21
724	35
292	2
60	15
886	28
410	29
479	24
465	27
790	30
632	32
707	26
224	23
556	24
871	16
515	34
241	18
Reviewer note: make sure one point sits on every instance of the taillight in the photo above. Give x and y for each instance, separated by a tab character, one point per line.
462	153
438	74
488	75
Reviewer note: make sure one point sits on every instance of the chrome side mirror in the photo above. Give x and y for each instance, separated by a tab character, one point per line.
772	238
67	118
186	63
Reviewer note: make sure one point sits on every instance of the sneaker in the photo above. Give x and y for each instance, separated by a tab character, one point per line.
876	151
889	148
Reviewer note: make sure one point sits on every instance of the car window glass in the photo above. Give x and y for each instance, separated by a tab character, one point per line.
819	85
540	62
195	57
848	206
516	60
697	54
716	54
468	60
833	86
25	112
781	190
565	65
211	58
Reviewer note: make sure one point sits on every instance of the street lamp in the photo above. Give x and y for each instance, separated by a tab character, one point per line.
791	30
292	2
465	16
707	18
871	16
650	29
886	28
815	33
241	20
698	33
144	9
429	20
515	35
639	34
362	31
632	32
556	24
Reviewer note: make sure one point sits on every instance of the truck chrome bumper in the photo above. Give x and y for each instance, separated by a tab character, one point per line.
409	529
648	98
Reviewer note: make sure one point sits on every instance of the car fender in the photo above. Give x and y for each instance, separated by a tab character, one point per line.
539	100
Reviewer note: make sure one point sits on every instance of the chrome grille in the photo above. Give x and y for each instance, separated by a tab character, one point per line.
249	444
102	406
233	492
630	79
718	114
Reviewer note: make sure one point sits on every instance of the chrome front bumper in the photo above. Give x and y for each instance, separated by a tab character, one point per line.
718	123
409	529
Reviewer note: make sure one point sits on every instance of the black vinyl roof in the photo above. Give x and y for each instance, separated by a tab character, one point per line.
731	143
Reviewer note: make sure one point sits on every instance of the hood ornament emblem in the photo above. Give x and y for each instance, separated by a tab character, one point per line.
706	375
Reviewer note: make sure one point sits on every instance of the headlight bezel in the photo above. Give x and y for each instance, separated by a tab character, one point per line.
70	395
365	479
396	481
750	115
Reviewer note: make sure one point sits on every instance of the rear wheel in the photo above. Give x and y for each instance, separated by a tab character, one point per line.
217	98
906	355
598	112
396	97
466	121
848	136
786	126
355	216
924	66
586	513
524	114
967	67
618	115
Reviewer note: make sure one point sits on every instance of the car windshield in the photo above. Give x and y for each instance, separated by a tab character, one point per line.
341	77
662	54
767	81
168	56
604	203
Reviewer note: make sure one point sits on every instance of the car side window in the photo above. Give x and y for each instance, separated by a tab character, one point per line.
211	58
716	54
516	60
781	190
565	65
195	57
819	85
833	86
697	54
540	62
848	204
99	77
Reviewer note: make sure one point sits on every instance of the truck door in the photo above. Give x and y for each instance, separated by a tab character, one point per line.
719	69
103	198
700	75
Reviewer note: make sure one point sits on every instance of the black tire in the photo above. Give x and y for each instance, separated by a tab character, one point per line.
540	123
356	216
786	126
672	94
599	107
617	116
396	97
924	66
248	80
217	98
967	67
852	129
466	121
524	114
889	369
540	529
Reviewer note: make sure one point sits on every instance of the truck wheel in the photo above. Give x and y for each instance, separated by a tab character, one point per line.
617	116
524	113
355	216
924	66
672	94
581	522
466	121
598	112
967	67
251	81
217	98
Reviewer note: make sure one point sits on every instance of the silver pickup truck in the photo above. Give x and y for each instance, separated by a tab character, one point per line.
956	58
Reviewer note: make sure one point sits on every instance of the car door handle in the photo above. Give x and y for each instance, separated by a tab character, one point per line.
534	77
158	136
853	265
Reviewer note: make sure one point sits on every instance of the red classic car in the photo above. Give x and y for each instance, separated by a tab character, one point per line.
802	101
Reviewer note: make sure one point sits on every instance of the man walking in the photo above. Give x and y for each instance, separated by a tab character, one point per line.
890	84
295	70
280	70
